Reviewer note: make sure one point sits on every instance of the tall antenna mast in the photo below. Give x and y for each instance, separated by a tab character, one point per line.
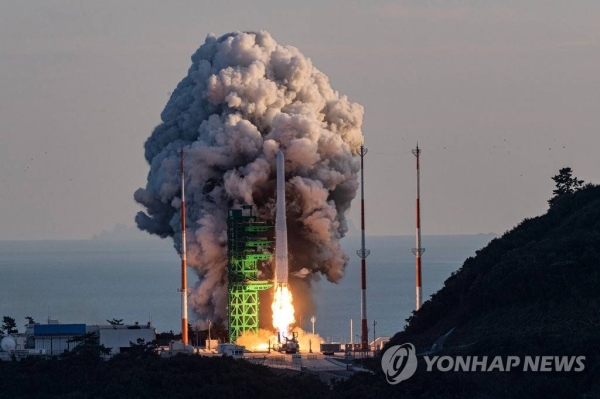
362	254
418	251
184	289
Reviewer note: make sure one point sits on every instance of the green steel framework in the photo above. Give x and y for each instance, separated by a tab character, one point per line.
246	246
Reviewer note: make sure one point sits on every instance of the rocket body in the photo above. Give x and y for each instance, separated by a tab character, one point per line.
281	244
184	290
283	308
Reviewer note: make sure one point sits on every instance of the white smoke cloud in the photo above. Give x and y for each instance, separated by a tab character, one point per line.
244	98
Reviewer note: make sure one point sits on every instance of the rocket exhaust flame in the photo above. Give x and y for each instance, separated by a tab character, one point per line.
264	339
283	310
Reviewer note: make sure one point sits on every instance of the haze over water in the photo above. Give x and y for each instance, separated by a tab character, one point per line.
89	281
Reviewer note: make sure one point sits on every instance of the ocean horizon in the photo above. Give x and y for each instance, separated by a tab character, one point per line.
90	281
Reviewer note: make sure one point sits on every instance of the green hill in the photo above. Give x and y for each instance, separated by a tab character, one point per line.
533	291
539	282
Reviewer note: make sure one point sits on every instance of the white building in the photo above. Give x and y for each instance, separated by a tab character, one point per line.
118	338
232	350
55	338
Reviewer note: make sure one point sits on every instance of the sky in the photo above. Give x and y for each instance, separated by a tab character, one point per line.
499	95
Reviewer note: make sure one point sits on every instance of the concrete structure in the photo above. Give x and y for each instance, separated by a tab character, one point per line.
236	351
174	348
119	337
211	344
14	347
54	339
379	343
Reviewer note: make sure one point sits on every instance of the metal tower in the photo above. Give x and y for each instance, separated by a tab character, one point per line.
418	251
246	247
362	254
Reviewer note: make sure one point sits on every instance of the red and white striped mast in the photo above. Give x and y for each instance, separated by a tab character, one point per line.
183	289
418	251
362	254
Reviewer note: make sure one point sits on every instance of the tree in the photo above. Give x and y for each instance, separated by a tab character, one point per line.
9	325
565	184
115	322
29	320
219	332
142	349
88	347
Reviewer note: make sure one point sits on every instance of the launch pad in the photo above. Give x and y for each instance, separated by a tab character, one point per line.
246	247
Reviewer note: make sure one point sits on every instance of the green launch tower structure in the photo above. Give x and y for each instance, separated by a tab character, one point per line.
246	246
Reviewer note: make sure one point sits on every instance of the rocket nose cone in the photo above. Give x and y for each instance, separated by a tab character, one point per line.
280	163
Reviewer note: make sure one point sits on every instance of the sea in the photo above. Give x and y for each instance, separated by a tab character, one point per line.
91	281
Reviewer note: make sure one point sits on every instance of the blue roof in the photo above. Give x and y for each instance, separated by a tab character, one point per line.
59	329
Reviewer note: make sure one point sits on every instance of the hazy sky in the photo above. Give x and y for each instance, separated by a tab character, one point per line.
499	94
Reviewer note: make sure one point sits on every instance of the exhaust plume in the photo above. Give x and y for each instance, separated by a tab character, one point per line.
245	97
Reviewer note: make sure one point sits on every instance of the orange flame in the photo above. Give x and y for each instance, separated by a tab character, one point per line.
283	309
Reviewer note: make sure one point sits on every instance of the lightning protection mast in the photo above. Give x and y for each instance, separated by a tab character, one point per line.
362	254
183	289
418	251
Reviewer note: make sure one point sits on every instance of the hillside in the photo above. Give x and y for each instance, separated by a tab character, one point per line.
533	291
541	279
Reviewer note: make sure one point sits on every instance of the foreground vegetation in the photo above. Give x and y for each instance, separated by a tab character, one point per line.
148	376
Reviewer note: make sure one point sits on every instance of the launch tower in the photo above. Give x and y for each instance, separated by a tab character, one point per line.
247	245
418	250
362	254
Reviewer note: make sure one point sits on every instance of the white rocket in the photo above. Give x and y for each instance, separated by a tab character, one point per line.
281	245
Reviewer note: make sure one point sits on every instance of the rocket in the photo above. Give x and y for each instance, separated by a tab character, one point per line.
184	289
281	245
283	309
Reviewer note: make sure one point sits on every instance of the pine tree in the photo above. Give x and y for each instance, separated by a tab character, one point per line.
9	325
565	184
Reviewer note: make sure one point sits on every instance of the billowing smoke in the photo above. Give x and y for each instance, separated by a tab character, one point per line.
244	98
